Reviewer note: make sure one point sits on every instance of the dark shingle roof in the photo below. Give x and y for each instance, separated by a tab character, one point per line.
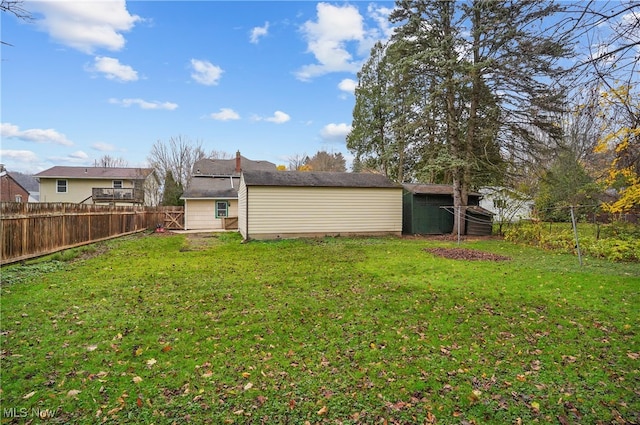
317	179
227	167
95	173
431	189
212	187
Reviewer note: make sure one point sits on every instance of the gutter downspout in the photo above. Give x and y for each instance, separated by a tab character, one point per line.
246	212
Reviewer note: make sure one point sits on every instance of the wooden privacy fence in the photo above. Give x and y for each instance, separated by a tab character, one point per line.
32	229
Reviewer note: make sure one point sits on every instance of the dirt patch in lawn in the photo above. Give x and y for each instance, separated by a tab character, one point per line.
466	254
200	241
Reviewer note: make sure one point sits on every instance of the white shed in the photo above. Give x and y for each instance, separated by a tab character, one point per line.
289	204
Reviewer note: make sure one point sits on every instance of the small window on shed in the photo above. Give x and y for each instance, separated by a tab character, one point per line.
61	186
221	209
117	184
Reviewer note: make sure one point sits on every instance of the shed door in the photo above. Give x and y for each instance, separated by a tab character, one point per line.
430	219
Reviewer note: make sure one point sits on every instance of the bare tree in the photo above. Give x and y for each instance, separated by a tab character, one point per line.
16	8
108	161
177	155
325	161
297	162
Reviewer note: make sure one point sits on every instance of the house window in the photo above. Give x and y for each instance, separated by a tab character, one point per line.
499	203
221	209
117	184
61	186
18	198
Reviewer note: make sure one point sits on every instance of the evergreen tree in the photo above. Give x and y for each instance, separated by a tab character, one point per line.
565	184
460	88
172	191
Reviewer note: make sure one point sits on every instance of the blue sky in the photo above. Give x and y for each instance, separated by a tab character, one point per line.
271	79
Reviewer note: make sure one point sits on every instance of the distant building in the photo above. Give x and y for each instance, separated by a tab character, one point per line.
10	189
507	205
97	185
211	198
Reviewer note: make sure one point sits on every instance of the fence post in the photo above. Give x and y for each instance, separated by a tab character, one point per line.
575	232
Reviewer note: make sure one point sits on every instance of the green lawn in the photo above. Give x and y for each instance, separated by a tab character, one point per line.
167	329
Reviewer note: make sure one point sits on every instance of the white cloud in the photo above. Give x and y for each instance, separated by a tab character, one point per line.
85	25
225	114
258	32
278	117
348	85
37	135
18	156
103	147
205	72
327	38
143	104
113	69
77	157
335	131
381	16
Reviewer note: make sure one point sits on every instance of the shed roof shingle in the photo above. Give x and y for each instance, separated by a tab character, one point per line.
316	179
431	189
212	187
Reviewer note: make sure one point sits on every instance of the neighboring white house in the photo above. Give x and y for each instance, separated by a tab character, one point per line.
506	204
97	185
289	204
211	199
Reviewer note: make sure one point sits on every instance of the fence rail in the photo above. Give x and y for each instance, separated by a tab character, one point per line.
30	230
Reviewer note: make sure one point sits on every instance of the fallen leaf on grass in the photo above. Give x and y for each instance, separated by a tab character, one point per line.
431	419
248	386
166	348
323	410
137	379
73	393
634	356
151	362
475	395
26	396
92	348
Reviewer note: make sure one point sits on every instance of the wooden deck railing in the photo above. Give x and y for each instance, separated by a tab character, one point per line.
110	194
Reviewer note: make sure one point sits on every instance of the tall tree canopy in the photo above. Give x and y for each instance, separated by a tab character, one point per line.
459	89
325	161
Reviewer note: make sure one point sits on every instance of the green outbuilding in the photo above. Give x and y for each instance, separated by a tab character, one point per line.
427	209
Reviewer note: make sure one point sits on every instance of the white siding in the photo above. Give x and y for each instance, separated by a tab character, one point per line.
200	214
242	209
315	211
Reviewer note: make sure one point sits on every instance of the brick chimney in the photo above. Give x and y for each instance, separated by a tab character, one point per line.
238	164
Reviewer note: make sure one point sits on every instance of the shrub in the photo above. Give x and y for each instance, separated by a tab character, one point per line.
613	249
618	242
